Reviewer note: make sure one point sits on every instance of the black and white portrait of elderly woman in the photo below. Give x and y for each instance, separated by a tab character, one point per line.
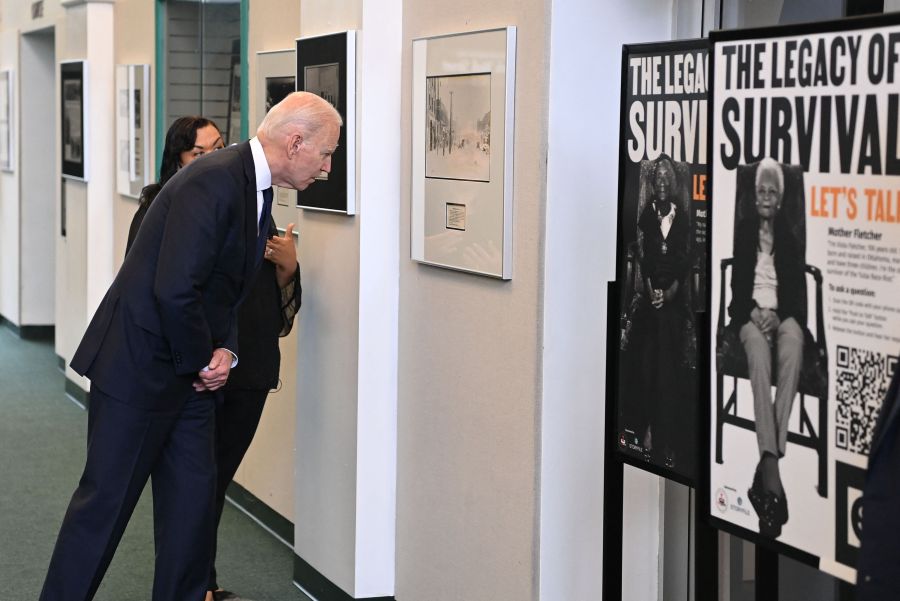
663	318
768	305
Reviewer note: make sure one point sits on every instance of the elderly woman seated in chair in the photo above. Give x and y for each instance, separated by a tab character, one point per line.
769	306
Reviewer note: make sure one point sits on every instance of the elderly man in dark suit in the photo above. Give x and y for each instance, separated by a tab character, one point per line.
878	570
163	341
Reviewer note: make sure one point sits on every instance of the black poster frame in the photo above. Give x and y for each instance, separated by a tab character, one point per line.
337	193
73	72
688	477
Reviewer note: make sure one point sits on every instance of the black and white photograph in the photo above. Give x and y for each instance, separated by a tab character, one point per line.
7	154
275	78
324	81
73	111
277	89
661	260
459	127
132	125
766	334
326	66
463	125
805	249
73	144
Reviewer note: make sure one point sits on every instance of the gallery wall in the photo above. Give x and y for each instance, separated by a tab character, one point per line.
470	349
9	192
36	100
267	471
135	44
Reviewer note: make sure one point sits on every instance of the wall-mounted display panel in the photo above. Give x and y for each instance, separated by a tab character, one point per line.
132	129
7	133
326	65
463	111
661	257
73	99
275	79
805	168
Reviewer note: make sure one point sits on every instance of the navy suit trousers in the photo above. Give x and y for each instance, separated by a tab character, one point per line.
126	447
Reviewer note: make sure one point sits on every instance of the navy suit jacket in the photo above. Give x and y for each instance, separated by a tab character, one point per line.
878	570
175	297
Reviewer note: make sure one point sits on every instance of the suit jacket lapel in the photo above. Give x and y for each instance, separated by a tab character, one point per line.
250	218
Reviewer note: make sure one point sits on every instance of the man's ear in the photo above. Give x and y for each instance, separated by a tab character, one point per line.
295	141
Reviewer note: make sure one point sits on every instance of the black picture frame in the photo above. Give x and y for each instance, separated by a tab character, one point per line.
632	412
73	130
326	65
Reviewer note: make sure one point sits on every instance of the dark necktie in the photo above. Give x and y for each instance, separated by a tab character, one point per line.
263	225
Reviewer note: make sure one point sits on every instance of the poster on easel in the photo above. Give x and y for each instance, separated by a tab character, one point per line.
805	278
661	256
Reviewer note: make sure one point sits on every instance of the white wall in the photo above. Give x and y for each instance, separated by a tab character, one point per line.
347	358
9	193
470	347
582	192
38	178
268	467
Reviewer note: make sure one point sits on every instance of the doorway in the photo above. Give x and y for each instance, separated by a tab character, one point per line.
38	182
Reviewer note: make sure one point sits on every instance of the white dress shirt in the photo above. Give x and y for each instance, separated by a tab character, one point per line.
263	176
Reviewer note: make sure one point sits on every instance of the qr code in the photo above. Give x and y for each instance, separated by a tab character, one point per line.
863	378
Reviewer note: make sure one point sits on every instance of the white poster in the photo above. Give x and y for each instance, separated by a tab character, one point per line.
805	303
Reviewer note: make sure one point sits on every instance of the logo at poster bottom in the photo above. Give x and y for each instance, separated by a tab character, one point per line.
722	500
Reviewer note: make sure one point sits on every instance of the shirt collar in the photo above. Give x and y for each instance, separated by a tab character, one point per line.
263	173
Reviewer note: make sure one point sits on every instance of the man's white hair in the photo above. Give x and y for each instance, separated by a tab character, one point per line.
301	111
770	166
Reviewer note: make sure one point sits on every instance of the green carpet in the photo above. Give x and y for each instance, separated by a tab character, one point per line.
42	447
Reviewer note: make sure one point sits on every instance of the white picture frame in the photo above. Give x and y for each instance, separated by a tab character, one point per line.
275	79
462	151
133	129
7	120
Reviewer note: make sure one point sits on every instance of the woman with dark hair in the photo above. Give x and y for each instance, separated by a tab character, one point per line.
768	305
266	313
188	138
664	268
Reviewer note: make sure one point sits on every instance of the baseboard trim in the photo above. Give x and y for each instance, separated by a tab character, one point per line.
77	394
319	588
11	326
278	525
47	333
30	332
62	363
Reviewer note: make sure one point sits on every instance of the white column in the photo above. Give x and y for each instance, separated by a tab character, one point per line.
585	58
380	46
101	146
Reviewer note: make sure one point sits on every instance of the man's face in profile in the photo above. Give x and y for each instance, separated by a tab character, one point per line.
768	195
663	181
314	156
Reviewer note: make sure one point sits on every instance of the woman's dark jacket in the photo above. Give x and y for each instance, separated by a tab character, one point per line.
663	268
266	313
789	271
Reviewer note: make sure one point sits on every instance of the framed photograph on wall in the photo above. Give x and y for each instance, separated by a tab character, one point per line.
7	141
132	129
275	79
73	100
326	65
463	103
